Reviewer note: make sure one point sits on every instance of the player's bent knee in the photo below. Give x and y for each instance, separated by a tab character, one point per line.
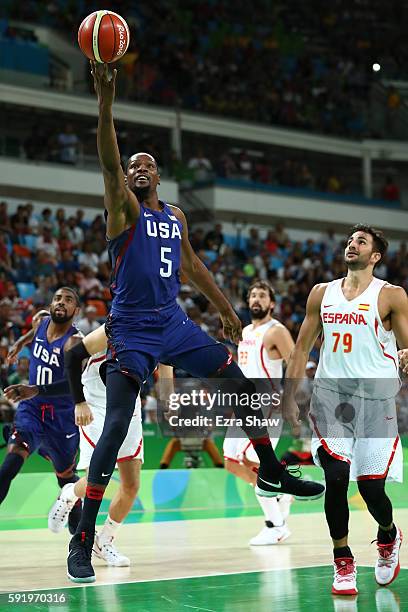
373	490
336	471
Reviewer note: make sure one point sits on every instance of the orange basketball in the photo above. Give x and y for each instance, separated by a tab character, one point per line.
103	36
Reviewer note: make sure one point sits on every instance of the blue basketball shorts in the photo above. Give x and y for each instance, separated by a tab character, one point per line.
48	429
137	343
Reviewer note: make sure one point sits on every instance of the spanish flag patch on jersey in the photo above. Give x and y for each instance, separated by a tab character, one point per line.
364	306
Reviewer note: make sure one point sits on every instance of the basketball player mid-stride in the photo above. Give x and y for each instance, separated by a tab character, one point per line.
148	242
265	344
353	403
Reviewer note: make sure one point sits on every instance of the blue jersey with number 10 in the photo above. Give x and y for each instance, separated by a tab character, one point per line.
47	360
146	261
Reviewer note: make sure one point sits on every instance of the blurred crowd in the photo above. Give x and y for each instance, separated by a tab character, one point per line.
41	251
305	65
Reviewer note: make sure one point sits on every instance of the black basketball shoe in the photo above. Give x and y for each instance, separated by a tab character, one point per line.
79	558
74	517
288	482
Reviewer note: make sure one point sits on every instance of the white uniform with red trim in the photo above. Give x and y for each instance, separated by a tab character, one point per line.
353	412
95	395
255	363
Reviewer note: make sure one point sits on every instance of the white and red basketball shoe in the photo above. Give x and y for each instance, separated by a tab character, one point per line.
345	577
387	566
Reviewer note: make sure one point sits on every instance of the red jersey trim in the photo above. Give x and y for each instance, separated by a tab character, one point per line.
384	474
326	446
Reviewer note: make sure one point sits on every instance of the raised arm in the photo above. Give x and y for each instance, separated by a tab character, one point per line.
27	338
121	204
203	280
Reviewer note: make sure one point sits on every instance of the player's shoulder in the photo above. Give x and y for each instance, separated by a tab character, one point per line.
177	212
394	293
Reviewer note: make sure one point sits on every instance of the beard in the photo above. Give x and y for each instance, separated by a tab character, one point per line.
356	264
259	313
60	318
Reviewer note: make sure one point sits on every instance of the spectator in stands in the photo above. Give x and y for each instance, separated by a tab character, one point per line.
214	239
88	322
19	221
45	291
390	190
89	285
281	235
4	217
75	233
46	220
201	167
5	259
245	167
88	259
47	243
197	239
68	145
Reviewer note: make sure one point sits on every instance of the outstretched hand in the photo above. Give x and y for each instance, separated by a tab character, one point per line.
232	328
16	393
104	82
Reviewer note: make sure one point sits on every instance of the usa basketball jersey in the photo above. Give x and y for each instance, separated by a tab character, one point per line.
47	361
356	346
146	261
252	355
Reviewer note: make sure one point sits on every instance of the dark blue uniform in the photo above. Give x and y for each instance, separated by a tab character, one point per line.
48	424
146	325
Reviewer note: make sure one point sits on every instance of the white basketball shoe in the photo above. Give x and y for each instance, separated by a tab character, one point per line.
387	566
108	552
271	535
345	577
58	515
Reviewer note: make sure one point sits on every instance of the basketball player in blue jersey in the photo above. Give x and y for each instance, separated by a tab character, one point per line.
44	419
148	243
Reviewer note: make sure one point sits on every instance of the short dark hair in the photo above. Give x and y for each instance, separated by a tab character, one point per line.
74	293
379	241
261	284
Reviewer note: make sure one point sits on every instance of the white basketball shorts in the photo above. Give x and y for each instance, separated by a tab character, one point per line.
363	432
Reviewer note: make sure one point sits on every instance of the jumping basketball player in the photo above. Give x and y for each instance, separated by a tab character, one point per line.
44	419
353	402
265	345
90	417
148	242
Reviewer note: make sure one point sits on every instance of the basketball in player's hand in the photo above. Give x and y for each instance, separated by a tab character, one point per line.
103	36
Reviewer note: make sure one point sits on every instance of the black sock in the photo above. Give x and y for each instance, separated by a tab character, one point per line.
385	537
269	464
344	551
11	466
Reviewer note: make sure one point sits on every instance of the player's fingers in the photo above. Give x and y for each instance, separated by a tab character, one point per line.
114	73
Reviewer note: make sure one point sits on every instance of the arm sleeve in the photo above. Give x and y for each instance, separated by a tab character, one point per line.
73	370
54	389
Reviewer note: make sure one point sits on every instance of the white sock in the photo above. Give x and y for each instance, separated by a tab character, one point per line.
271	510
69	494
109	530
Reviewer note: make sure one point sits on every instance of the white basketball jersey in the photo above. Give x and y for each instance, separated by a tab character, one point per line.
94	389
252	355
356	345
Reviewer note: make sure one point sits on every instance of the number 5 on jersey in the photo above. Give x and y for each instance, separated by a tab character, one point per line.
165	271
346	342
